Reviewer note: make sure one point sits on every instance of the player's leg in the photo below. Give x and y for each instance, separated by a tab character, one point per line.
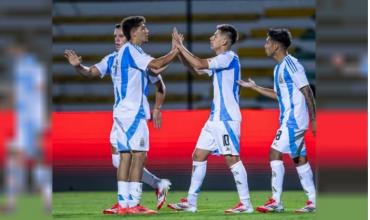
278	147
123	179
138	138
161	186
199	172
241	181
115	162
304	170
227	135
205	145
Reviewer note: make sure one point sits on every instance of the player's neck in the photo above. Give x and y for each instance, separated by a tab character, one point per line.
221	50
280	55
136	42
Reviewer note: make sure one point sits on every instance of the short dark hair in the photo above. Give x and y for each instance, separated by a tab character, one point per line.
129	23
281	35
230	31
118	26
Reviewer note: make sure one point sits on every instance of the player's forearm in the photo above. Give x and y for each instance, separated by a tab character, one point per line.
160	94
310	100
265	91
194	61
186	63
162	61
83	71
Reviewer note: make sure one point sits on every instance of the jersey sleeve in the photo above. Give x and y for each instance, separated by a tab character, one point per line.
140	58
299	76
102	66
207	71
220	61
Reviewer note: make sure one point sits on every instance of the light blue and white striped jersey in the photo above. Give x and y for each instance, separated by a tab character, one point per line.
108	66
289	77
128	69
225	69
29	90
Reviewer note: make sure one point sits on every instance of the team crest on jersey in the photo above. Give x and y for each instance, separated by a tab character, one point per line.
280	79
142	142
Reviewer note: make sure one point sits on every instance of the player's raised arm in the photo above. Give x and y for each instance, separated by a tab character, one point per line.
157	65
310	100
76	62
178	39
195	62
261	90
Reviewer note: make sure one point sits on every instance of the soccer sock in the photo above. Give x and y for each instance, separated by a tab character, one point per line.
150	179
241	181
306	178
197	177
115	160
42	177
123	193
136	189
278	170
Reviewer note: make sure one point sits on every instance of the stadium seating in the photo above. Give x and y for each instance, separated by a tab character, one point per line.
88	27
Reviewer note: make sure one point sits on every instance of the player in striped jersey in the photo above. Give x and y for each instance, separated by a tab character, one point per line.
221	133
106	67
297	106
131	111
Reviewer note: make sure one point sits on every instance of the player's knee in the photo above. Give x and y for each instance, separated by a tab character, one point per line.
198	156
231	160
298	161
115	160
275	155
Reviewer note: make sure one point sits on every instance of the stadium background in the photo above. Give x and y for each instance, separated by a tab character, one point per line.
87	28
339	59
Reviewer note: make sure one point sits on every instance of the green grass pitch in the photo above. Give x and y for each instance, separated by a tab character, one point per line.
211	205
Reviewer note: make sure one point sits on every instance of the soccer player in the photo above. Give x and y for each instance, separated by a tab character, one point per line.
297	106
103	68
132	110
30	127
221	133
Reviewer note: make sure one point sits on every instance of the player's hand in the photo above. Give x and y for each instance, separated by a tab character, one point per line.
247	84
177	38
72	57
157	118
313	127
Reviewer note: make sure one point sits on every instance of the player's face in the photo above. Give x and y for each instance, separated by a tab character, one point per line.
119	38
270	47
142	33
217	40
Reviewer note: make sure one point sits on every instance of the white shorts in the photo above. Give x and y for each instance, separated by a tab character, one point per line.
130	134
220	137
113	135
290	141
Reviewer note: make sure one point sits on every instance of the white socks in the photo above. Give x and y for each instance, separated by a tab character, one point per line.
150	179
123	193
129	193
136	189
278	170
306	178
197	177
241	181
